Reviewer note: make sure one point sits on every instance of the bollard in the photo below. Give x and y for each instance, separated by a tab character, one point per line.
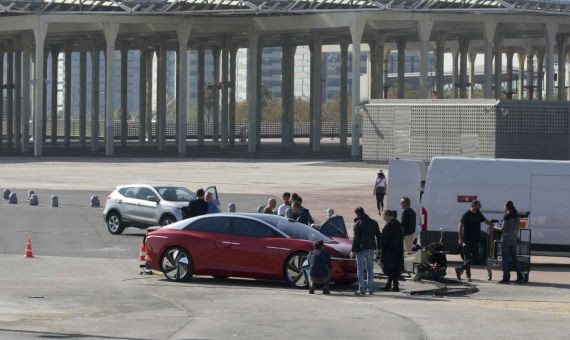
13	199
54	202
232	207
260	209
6	194
94	201
30	193
34	199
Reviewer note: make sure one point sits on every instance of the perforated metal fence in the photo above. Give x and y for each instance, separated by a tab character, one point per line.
423	129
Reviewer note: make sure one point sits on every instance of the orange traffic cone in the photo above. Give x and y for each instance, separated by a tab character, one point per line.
142	253
29	249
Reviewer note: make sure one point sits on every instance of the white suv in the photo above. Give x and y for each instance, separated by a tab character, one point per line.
142	206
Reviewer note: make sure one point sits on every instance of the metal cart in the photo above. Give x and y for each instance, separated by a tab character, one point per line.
494	259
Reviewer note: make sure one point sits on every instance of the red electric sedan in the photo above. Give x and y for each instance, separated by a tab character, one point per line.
259	246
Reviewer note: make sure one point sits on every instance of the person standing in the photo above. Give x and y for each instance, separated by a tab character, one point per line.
510	229
469	233
298	214
285	205
319	268
408	224
366	241
271	204
380	189
213	205
198	206
392	257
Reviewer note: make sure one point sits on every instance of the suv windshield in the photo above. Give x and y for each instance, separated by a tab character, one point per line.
175	194
294	229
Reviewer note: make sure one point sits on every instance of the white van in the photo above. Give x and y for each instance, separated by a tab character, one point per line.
539	188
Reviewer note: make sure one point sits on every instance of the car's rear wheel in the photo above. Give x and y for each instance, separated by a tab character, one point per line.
176	264
166	220
294	270
114	223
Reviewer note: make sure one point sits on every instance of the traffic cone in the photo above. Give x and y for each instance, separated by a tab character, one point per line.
29	249
142	253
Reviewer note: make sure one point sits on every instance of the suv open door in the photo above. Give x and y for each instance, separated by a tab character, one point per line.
214	191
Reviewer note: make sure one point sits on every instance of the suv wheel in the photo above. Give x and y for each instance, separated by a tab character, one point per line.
166	220
114	223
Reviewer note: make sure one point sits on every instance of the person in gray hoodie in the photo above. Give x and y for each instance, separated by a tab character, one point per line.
510	230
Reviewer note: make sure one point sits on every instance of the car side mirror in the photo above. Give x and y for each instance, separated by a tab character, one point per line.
152	198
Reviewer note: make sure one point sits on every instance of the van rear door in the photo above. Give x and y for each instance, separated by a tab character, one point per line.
405	179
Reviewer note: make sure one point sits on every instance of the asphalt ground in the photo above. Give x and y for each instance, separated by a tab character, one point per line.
85	282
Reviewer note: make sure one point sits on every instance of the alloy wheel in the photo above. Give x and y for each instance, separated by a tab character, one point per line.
114	223
176	265
294	270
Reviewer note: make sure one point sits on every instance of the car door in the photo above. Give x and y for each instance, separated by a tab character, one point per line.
334	227
214	191
148	210
257	248
128	203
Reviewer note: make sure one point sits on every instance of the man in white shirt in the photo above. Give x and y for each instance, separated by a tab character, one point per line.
286	204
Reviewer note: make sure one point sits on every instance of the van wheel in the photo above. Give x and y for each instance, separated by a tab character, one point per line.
482	251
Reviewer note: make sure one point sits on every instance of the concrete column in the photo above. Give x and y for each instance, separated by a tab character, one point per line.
455	79
26	100
110	30
311	93
424	32
95	57
521	83
183	34
439	65
489	30
216	95
67	97
82	97
551	29
510	53
142	96
200	99
149	90
287	91
344	91
377	64
463	54
2	87
539	74
562	44
568	76
530	72
161	99
252	85
40	31
10	99
317	89
356	31
259	95
232	99
498	72
225	114
401	43
472	59
124	99
54	83
18	100
44	104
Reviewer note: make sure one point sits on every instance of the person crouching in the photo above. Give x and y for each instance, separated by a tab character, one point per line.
319	268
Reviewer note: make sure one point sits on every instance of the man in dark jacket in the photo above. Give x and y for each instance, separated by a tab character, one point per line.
392	258
298	214
366	241
199	206
319	268
408	224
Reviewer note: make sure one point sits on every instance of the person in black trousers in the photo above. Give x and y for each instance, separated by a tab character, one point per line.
392	258
380	191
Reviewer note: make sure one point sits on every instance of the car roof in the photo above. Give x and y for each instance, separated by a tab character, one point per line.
264	218
148	185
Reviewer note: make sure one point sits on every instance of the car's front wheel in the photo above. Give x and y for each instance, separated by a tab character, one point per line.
176	264
114	223
294	270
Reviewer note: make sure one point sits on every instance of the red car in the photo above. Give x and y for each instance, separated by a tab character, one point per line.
259	246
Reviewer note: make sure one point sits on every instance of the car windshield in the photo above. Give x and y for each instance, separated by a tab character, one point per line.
175	194
293	229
